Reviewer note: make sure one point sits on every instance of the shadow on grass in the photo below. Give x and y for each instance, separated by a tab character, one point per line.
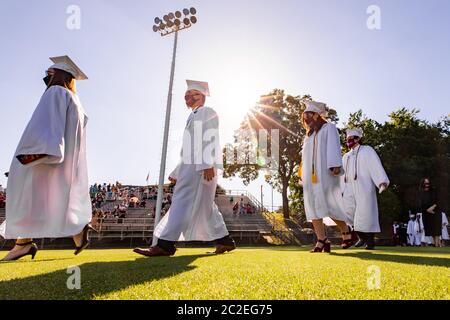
417	260
414	250
97	278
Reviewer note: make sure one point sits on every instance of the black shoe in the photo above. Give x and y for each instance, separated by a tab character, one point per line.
370	241
85	242
32	251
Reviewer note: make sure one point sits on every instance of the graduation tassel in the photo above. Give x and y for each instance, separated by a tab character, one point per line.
299	173
314	175
314	161
314	178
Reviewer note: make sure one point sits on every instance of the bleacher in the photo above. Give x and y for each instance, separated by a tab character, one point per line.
139	223
2	215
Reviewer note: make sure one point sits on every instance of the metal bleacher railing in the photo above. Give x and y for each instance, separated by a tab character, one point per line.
278	229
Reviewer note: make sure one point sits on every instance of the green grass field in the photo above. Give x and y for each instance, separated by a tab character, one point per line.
247	273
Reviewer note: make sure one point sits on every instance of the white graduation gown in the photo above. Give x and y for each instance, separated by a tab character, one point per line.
324	198
421	230
49	198
360	195
193	215
444	227
414	236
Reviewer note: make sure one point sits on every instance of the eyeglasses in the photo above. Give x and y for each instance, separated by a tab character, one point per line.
308	114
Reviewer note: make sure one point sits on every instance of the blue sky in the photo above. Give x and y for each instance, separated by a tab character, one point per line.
243	48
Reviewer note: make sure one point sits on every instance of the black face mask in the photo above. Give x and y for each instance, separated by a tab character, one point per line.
47	80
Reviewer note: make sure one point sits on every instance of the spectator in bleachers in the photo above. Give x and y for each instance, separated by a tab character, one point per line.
2	200
98	200
236	208
242	206
121	216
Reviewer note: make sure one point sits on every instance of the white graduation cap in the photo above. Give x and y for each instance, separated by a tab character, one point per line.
317	107
356	132
199	86
66	64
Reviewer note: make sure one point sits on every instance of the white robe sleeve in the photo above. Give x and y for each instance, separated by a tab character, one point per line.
209	154
410	229
334	156
174	173
375	167
44	133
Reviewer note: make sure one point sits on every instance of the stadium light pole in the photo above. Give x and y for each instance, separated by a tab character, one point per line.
171	23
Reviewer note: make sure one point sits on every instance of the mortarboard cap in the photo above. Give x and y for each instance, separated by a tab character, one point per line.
66	64
199	86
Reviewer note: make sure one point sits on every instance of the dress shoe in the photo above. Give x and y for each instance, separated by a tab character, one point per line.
326	246
153	252
31	251
84	239
221	248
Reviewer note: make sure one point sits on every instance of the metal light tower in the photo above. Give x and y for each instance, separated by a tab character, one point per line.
171	23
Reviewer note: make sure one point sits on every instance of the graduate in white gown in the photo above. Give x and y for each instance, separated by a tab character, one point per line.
48	191
445	235
193	215
320	170
414	237
364	173
421	231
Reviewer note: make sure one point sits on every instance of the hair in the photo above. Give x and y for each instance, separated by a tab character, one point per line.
316	126
63	79
422	182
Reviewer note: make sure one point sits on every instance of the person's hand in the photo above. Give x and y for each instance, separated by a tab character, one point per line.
383	187
209	174
29	158
336	171
431	209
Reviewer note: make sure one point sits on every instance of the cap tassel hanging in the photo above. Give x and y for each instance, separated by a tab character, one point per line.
314	177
